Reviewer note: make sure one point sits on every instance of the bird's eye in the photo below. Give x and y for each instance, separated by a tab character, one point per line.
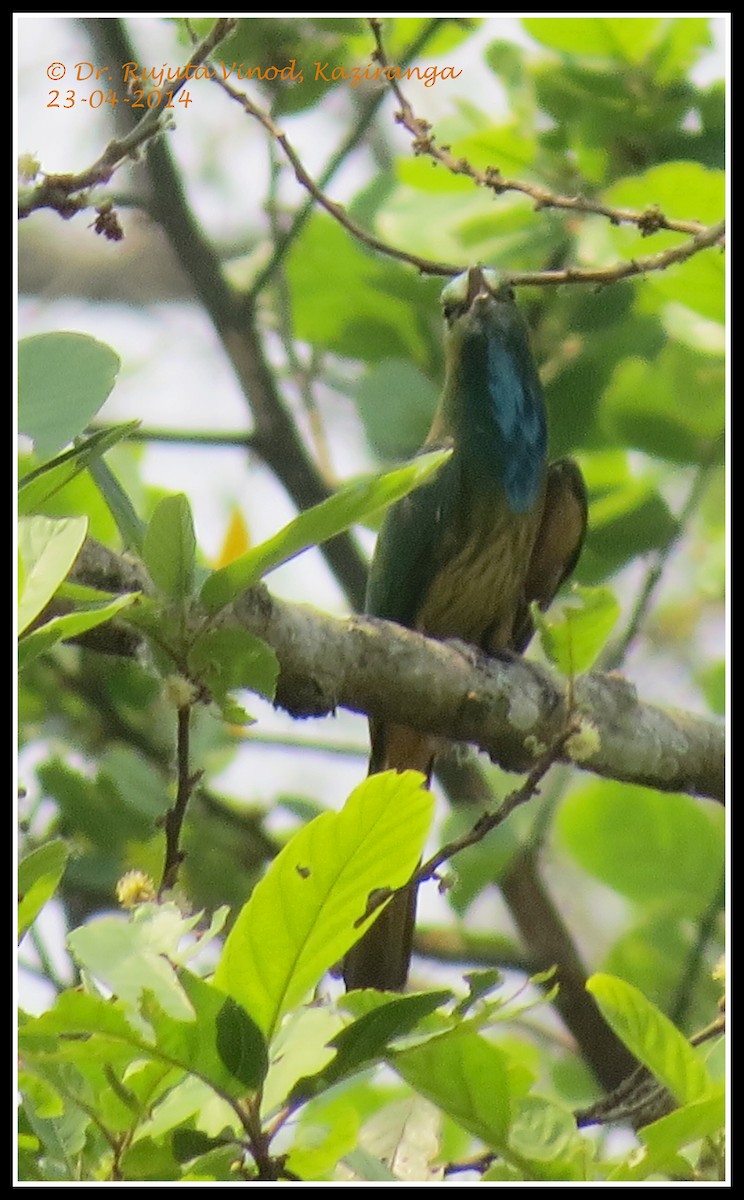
451	311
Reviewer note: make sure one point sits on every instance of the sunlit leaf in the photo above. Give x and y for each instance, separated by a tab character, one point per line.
467	1077
627	39
71	625
574	633
651	1037
317	888
169	547
353	503
39	485
649	846
38	875
48	548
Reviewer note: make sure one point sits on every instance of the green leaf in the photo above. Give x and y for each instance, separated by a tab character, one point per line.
628	521
131	956
542	1130
381	323
352	504
192	1101
195	1046
48	549
651	952
712	678
642	403
300	1049
131	528
71	625
169	548
224	659
77	1012
240	1044
681	48
190	1044
364	1040
623	39
574	634
38	875
140	954
324	1132
650	846
396	402
63	380
651	1037
148	1161
467	1077
62	1137
189	1143
300	919
46	1100
699	1119
140	786
665	1138
43	483
700	281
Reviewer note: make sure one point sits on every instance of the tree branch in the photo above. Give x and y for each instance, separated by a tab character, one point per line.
510	709
68	194
649	221
283	244
275	437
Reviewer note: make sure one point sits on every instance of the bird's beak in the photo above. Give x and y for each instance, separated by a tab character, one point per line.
478	289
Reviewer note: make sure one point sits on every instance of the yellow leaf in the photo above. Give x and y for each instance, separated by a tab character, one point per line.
237	540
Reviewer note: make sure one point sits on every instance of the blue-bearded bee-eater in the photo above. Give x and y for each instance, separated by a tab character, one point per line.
464	555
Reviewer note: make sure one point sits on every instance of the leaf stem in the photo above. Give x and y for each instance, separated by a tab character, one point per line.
175	816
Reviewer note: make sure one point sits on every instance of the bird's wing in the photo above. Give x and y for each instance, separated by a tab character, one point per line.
558	544
410	548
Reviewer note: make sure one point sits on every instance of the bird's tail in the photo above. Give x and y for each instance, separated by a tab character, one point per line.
382	957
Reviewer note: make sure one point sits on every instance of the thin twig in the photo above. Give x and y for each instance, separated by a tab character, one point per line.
695	958
625	269
480	1163
491	820
649	221
703	238
283	244
337	211
67	194
175	816
183	437
483	826
275	438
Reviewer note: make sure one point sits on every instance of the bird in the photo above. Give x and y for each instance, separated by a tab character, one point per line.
464	555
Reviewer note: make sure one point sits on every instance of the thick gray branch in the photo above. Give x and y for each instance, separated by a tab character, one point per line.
510	709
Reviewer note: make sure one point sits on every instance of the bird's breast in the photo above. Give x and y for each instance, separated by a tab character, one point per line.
478	587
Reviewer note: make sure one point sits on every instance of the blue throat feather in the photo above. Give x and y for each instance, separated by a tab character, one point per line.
495	402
